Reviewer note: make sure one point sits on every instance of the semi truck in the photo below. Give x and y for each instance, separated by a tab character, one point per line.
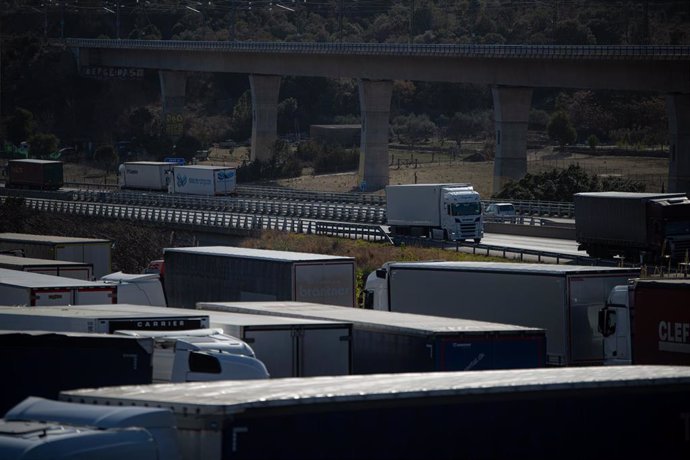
204	180
641	227
76	270
519	413
185	348
647	322
439	211
225	273
385	342
94	251
562	299
145	175
34	174
35	289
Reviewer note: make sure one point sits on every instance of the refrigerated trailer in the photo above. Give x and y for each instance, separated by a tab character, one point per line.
35	174
76	270
44	363
225	273
93	251
145	175
562	299
204	180
524	413
34	290
400	342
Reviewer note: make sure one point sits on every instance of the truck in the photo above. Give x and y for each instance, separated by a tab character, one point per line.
204	180
34	174
145	175
185	347
138	289
388	342
647	321
43	363
439	211
517	413
76	270
226	273
640	227
562	299
34	289
94	251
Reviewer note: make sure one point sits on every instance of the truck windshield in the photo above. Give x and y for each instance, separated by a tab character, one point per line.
464	209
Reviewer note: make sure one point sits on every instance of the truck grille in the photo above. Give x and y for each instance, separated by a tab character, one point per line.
467	230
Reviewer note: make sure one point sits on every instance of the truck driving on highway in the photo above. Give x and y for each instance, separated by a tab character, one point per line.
35	174
647	322
563	299
439	211
642	227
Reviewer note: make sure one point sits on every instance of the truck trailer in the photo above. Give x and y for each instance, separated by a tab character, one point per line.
522	413
204	180
92	251
647	322
386	342
34	174
562	299
44	363
145	175
439	211
34	290
75	270
228	274
641	227
185	348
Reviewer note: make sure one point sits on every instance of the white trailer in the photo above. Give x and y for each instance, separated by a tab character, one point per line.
34	289
563	299
145	175
204	180
440	211
75	270
138	289
93	251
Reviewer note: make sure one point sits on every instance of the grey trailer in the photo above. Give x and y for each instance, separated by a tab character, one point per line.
93	251
227	274
522	413
76	270
401	342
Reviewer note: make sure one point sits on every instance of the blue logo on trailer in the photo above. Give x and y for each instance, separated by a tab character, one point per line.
176	160
225	175
181	180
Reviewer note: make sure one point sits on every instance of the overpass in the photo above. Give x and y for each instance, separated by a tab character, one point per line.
512	71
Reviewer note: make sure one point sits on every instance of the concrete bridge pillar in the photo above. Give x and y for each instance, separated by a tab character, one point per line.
678	109
173	88
265	90
375	106
511	114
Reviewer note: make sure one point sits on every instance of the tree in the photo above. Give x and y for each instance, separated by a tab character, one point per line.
242	117
105	157
413	128
561	130
19	126
43	144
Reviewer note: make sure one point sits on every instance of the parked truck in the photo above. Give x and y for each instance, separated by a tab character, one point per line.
439	211
41	363
34	174
562	299
138	289
204	180
34	289
384	342
225	273
642	227
522	413
185	348
145	175
647	322
76	270
92	251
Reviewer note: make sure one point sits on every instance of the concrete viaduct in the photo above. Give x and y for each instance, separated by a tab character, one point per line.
512	71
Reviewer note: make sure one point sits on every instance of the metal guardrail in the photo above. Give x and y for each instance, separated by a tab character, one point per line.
551	52
310	195
539	208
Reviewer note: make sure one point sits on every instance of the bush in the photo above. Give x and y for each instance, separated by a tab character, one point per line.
105	157
333	158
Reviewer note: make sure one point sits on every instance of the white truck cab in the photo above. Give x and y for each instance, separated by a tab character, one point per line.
463	217
201	355
614	325
137	289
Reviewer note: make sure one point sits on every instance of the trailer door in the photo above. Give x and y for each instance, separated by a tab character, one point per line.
51	297
331	283
95	295
275	347
324	351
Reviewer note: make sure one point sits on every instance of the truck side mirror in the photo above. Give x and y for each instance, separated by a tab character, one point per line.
606	323
381	273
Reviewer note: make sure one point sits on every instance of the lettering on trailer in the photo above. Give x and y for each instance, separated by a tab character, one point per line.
223	176
171	324
318	292
674	337
121	73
